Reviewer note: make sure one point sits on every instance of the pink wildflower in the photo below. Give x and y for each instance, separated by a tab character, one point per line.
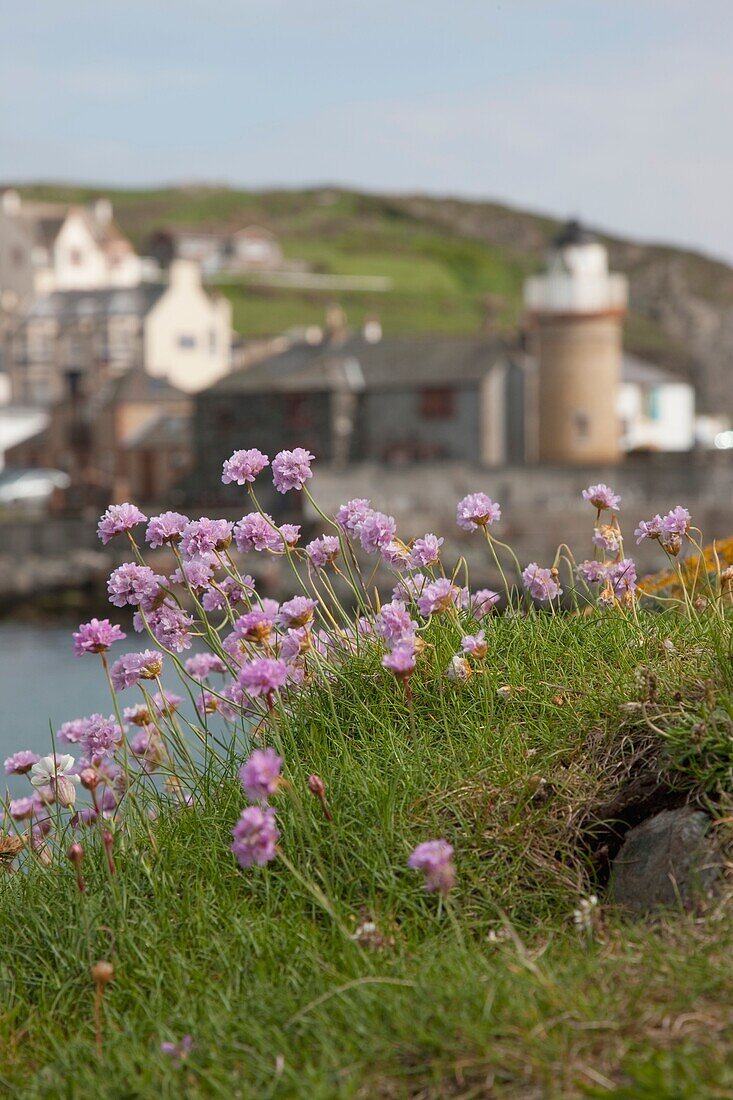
481	602
435	859
291	469
129	669
437	596
376	531
21	762
322	551
168	527
541	583
351	515
401	660
23	809
117	519
425	551
255	836
201	665
648	529
393	623
132	584
474	645
203	536
96	636
244	466
101	736
257	532
296	612
607	537
71	732
290	533
197	572
227	592
260	774
592	571
477	510
601	497
676	522
170	626
263	676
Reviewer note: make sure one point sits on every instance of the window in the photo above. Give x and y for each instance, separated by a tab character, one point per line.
652	404
437	404
296	414
582	425
76	257
212	341
186	341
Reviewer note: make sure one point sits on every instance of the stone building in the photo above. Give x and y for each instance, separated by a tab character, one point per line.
398	402
175	331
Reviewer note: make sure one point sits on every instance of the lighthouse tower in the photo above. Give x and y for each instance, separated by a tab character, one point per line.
574	315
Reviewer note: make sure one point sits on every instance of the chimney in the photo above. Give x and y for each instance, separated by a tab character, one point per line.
184	273
11	202
372	330
103	211
335	320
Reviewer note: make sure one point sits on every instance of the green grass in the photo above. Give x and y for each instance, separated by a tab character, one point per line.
494	993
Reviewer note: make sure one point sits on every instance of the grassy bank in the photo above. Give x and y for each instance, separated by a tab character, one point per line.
493	991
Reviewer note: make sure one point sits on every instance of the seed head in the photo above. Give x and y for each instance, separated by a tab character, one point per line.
103	972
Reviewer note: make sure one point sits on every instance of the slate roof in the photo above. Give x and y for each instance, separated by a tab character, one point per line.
168	430
68	305
355	364
640	371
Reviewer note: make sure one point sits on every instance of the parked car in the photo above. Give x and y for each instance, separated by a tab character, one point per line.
31	488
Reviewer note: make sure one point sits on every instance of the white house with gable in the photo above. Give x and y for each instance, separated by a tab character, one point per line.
187	334
45	247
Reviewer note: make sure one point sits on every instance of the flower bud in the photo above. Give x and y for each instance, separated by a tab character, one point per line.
316	786
75	854
89	779
64	790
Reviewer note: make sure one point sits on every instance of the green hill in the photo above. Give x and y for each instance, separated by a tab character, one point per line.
455	266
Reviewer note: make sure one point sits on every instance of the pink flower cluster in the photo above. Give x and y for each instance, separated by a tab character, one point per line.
262	652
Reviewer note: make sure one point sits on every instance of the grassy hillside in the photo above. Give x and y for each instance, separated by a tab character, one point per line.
492	992
452	263
443	271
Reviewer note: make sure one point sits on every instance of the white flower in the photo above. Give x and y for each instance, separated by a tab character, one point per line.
458	670
53	779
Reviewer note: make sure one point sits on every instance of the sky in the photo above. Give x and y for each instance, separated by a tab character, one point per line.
619	111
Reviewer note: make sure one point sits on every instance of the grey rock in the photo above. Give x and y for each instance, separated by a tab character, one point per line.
667	861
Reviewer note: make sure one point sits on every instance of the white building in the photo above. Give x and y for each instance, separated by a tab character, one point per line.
250	249
656	408
46	247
